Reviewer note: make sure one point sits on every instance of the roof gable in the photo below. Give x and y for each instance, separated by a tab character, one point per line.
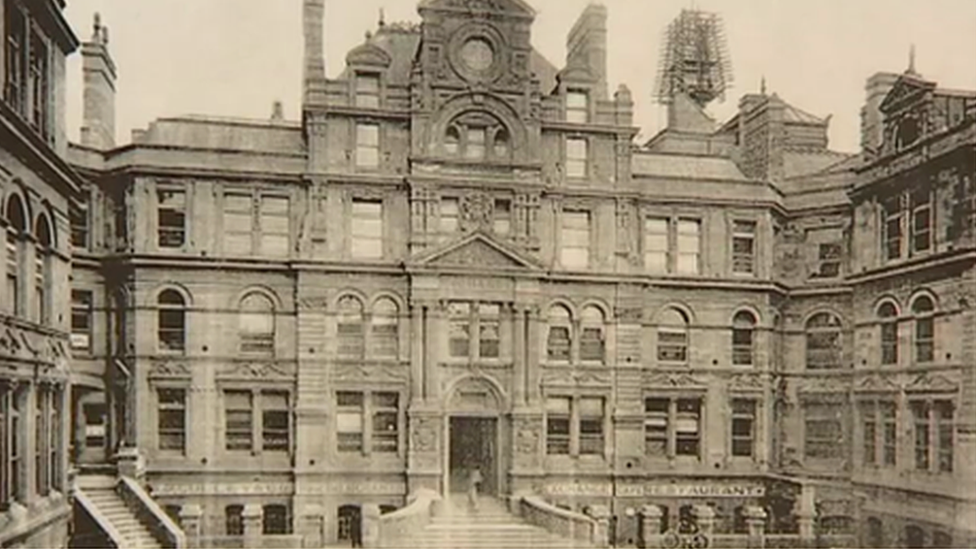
478	250
907	89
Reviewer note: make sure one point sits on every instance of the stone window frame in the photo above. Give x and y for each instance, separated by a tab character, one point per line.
45	242
16	238
375	97
738	260
940	453
361	196
662	328
924	310
172	221
577	209
30	86
182	309
576	449
575	323
874	409
497	144
362	161
252	342
82	308
478	316
745	322
586	161
673	415
368	348
674	219
888	317
367	410
754	399
158	407
824	402
260	402
572	112
813	327
257	213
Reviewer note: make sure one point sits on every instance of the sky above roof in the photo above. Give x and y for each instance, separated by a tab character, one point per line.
236	57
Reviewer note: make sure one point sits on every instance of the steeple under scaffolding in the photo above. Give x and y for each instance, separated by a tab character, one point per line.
694	59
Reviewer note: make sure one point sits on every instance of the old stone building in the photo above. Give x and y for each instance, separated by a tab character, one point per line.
461	259
36	187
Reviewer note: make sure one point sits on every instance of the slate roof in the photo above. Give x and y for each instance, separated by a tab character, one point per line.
676	166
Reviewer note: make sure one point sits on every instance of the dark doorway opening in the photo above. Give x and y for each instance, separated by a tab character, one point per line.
473	441
350	522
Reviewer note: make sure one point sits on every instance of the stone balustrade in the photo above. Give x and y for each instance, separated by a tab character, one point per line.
392	528
593	529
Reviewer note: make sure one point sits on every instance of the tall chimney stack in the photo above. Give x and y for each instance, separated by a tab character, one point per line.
586	44
98	112
313	18
872	120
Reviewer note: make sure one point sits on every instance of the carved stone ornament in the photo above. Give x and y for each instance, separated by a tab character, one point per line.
527	438
477	253
673	379
750	380
258	370
823	385
169	369
876	384
576	378
934	383
386	373
476	211
423	435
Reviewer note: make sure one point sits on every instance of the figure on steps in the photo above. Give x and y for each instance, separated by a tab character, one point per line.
473	481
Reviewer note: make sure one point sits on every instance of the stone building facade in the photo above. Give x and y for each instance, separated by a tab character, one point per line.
460	259
36	188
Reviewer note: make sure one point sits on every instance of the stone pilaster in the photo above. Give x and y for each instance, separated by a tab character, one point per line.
191	522
650	516
252	516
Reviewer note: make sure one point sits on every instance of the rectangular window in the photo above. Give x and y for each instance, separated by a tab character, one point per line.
349	421
921	414
687	427
743	427
13	273
41	427
40	85
689	246
15	25
503	217
577	157
591	412
657	412
743	247
889	341
489	330
171	218
41	309
924	339
172	419
592	347
367	146
81	320
55	444
656	244
945	440
238	421
275	424
577	107
823	431
829	260
386	434
79	228
449	215
234	520
368	90
275	521
367	229
238	226
893	231
672	344
869	424
557	425
921	221
575	239
889	424
459	331
273	220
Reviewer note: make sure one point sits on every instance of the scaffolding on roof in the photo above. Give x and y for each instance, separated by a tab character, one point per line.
694	59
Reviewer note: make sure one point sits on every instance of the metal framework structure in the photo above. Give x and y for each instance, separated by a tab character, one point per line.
694	58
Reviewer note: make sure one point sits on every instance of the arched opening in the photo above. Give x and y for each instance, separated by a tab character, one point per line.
385	329
672	336
914	537
923	310
256	325
474	407
559	341
42	269
824	346
888	315
16	231
349	327
743	338
171	322
592	335
875	533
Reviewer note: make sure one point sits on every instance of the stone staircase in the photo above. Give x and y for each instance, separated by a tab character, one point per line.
100	491
490	526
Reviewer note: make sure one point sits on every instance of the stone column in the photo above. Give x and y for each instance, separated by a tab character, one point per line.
756	522
434	343
518	384
252	525
371	525
806	512
312	526
416	353
535	344
705	518
601	534
190	518
650	525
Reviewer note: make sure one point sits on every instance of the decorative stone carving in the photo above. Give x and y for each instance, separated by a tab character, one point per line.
672	379
932	382
751	380
527	438
876	383
829	384
423	435
258	370
476	211
477	253
169	369
576	378
388	373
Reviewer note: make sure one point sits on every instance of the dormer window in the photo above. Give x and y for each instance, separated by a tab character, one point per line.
368	90
577	107
908	131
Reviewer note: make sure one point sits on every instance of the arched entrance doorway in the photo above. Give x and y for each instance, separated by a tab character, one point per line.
475	432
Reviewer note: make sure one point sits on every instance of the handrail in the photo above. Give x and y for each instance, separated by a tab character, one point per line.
151	514
396	526
570	524
103	522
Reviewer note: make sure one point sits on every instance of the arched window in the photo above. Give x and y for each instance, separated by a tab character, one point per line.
743	338
560	340
592	336
349	522
502	146
385	329
923	310
888	315
256	325
349	327
171	322
824	346
452	141
42	270
672	336
16	230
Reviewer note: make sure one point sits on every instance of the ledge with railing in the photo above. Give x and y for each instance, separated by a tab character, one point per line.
402	523
150	514
570	524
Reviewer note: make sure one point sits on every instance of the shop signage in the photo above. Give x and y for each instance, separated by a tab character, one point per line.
580	489
237	489
686	490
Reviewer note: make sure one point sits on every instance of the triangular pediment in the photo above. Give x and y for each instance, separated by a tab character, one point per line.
907	89
478	250
932	382
514	7
876	384
369	54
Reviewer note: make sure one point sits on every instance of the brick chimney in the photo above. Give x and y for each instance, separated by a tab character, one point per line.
98	112
313	19
872	120
586	44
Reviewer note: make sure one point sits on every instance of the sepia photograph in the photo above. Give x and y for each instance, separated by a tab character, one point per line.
487	274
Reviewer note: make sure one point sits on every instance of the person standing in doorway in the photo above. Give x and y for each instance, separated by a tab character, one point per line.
473	481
